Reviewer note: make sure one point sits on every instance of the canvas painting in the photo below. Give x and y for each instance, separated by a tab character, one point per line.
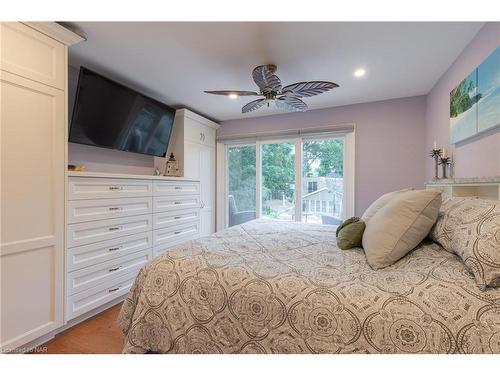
488	84
463	109
475	102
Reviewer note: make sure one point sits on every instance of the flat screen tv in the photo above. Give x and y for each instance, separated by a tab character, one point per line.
108	114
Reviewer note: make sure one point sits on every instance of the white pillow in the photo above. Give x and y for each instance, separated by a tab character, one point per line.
399	226
379	203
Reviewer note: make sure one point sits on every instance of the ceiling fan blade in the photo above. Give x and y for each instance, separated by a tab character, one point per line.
306	89
233	92
265	79
291	104
253	105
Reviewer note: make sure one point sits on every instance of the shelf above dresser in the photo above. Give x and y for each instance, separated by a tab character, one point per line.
481	187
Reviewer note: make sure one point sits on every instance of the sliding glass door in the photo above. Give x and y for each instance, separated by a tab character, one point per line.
278	180
295	179
241	181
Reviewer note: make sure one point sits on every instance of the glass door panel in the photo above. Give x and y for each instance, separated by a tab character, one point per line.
241	169
278	180
322	181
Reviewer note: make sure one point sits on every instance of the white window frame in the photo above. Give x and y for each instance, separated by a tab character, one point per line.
223	146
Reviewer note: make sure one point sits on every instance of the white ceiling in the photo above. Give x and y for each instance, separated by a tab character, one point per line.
175	62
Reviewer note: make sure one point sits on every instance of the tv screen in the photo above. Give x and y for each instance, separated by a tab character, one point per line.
108	114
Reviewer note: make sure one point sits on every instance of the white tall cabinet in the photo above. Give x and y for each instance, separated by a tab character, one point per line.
33	134
193	143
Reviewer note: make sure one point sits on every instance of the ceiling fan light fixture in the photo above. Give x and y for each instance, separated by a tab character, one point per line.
270	89
358	73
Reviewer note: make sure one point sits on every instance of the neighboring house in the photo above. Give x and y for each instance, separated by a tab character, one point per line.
322	195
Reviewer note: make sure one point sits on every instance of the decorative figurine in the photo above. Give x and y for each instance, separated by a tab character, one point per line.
436	154
172	166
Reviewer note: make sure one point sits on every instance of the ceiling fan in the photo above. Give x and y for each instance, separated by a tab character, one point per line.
286	98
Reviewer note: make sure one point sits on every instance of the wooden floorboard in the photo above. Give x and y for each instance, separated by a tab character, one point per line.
97	335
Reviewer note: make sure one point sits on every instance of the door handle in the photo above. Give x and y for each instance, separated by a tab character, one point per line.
113	249
114	289
114	269
113	228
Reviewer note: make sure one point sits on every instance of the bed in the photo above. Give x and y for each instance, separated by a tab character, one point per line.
275	287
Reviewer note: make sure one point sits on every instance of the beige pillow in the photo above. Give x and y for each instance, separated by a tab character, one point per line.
400	225
379	203
470	228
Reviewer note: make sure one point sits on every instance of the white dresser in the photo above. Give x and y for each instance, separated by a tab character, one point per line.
193	143
114	225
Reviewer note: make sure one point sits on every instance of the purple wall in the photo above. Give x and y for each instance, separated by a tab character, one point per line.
479	156
389	141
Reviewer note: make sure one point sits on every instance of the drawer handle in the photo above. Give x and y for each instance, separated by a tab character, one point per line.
113	249
116	188
177	202
178	232
177	217
178	188
113	228
114	269
114	208
114	289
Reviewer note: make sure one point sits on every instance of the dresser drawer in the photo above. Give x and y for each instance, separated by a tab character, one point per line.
96	253
175	217
166	237
92	188
96	209
92	298
169	203
95	231
89	277
176	188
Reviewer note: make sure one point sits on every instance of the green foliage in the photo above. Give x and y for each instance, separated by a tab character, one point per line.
329	154
269	212
460	100
278	168
241	176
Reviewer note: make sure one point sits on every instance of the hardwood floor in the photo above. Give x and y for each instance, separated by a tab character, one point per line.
98	335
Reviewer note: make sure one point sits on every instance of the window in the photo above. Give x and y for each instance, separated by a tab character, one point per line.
295	179
241	184
312	186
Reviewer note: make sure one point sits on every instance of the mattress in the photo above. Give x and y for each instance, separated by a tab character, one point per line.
277	287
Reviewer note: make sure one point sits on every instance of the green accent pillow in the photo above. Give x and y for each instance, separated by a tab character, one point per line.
350	233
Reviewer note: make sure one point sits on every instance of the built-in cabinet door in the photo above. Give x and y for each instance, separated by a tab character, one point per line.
31	54
32	136
199	164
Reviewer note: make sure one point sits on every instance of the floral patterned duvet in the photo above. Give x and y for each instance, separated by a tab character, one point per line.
274	287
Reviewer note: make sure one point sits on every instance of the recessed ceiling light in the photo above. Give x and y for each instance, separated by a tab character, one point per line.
233	96
359	73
